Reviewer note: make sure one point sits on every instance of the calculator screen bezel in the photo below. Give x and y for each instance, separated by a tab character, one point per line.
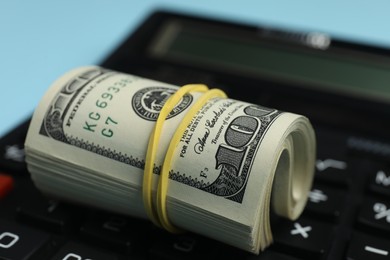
141	53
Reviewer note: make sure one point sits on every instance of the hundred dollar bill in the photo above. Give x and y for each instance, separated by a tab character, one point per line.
235	161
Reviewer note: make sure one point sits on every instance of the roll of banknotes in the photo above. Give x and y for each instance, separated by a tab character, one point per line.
233	163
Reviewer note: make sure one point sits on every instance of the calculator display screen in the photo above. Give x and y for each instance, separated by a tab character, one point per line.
236	52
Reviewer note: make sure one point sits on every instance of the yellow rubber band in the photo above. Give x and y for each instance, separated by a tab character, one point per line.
153	145
164	175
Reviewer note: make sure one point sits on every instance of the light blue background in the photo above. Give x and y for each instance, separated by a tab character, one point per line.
40	40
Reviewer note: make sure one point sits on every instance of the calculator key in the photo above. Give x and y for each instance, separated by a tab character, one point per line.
184	246
78	251
19	242
332	170
49	214
325	202
6	184
372	147
379	182
12	156
270	255
375	213
115	231
363	247
304	236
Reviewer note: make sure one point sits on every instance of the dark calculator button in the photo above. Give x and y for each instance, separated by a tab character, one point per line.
375	213
18	242
12	156
78	251
305	237
364	247
6	184
379	182
325	202
183	246
116	231
48	214
332	170
369	147
270	255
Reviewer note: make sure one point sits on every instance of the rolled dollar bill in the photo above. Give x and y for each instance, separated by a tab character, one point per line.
235	161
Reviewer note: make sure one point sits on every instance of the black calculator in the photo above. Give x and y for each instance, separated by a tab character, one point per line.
343	87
